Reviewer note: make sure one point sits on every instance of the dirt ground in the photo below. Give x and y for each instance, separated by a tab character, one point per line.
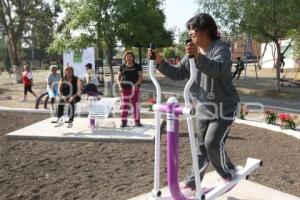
31	169
47	170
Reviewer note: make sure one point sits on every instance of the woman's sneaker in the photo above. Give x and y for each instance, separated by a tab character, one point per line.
190	185
123	124
70	125
189	190
226	180
138	124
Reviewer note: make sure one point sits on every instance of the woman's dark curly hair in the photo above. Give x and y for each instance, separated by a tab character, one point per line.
203	22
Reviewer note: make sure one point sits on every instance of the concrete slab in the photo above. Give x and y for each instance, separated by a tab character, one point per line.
245	190
26	110
108	130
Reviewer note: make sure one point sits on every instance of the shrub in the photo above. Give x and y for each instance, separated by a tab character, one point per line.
243	113
271	116
151	102
46	67
287	121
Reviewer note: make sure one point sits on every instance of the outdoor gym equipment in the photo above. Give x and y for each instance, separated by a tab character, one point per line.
173	111
100	109
41	101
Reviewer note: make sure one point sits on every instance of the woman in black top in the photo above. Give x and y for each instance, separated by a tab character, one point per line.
69	92
130	77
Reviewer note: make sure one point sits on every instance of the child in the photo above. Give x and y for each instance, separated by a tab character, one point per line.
27	81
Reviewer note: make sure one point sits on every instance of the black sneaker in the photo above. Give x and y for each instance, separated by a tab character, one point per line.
123	125
138	124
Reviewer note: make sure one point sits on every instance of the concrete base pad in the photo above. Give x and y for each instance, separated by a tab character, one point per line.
107	130
244	190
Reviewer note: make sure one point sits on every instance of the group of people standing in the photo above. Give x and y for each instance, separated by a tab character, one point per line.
68	87
65	85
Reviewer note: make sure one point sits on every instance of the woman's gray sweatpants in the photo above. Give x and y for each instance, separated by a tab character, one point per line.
211	137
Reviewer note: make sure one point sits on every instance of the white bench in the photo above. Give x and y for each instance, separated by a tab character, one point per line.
100	109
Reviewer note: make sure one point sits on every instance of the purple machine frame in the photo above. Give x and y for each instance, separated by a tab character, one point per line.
173	111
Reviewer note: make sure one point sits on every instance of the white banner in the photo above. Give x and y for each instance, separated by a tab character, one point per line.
78	60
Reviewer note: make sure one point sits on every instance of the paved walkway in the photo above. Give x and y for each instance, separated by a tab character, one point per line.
173	87
245	190
280	104
293	106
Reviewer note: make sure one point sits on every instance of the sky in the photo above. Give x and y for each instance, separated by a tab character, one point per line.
178	12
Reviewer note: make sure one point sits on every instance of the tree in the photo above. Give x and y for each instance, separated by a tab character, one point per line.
3	49
133	22
169	53
297	47
144	24
41	32
180	47
4	57
268	21
17	18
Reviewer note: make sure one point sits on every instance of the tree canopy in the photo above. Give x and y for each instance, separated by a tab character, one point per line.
18	20
102	23
134	23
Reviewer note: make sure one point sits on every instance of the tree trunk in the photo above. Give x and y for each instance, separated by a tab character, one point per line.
273	49
277	66
262	55
14	54
112	78
140	55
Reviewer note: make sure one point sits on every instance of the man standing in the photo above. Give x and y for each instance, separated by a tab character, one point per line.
239	68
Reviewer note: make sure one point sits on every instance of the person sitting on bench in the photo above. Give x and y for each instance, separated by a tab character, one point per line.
91	83
69	92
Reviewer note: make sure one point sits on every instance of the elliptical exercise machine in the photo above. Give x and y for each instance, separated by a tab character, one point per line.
173	111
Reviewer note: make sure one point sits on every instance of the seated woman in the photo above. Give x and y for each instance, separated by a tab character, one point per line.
69	92
91	82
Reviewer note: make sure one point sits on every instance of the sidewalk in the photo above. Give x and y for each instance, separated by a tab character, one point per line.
244	190
250	89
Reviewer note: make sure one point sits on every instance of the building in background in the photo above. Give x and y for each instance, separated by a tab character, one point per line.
247	49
